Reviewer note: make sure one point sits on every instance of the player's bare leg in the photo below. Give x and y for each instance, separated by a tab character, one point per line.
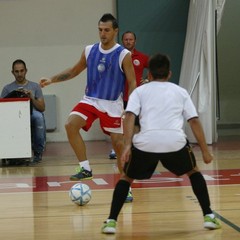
117	143
73	126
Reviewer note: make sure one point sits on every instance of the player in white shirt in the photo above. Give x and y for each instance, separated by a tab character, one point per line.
162	107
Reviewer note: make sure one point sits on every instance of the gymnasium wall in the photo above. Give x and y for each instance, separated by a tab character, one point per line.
50	37
160	26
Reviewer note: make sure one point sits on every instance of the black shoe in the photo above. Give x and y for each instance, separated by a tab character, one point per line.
82	174
37	157
4	162
33	163
112	155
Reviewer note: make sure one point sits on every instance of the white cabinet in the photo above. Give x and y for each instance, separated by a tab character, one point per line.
15	129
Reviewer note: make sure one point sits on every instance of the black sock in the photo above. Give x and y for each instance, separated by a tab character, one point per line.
200	190
119	196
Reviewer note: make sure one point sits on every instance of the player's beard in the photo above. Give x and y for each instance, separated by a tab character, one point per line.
129	47
20	79
104	41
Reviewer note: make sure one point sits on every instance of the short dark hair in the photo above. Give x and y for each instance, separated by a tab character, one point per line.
159	66
135	37
108	17
19	61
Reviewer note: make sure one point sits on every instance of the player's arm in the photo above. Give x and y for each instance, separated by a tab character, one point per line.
198	132
129	72
67	74
4	92
145	64
128	130
39	104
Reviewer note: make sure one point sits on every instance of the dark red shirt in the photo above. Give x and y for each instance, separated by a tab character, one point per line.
140	61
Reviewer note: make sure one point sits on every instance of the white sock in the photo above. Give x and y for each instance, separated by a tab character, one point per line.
211	215
85	165
108	220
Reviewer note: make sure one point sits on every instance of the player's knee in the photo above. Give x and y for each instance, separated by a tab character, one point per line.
124	177
118	144
70	127
194	170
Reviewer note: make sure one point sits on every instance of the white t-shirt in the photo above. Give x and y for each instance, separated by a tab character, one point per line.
162	108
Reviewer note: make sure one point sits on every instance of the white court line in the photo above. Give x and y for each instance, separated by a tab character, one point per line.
235	175
53	184
100	181
15	185
159	180
22	185
210	178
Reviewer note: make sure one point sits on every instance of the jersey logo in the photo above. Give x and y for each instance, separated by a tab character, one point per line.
101	67
136	62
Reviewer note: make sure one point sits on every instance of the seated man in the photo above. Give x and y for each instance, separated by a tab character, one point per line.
34	92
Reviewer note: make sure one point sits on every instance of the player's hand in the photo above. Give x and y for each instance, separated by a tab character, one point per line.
207	157
26	91
45	82
29	93
123	115
125	154
143	81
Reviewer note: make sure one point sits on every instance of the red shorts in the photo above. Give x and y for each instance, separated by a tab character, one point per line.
90	114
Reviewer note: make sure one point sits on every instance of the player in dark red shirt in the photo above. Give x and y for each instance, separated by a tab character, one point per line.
139	59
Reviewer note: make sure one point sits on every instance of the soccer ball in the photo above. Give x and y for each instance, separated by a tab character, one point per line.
80	194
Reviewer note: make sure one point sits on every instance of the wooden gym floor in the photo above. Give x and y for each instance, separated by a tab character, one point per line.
34	202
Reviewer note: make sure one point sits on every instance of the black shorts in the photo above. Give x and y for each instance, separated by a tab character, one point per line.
142	165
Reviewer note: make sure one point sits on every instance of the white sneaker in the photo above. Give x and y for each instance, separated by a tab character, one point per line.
109	226
211	222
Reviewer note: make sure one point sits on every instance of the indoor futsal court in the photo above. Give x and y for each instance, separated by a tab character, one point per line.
34	200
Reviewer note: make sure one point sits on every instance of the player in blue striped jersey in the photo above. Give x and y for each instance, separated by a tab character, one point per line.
108	66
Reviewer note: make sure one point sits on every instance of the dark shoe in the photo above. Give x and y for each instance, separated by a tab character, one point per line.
33	163
20	162
129	197
83	174
112	155
37	157
4	162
